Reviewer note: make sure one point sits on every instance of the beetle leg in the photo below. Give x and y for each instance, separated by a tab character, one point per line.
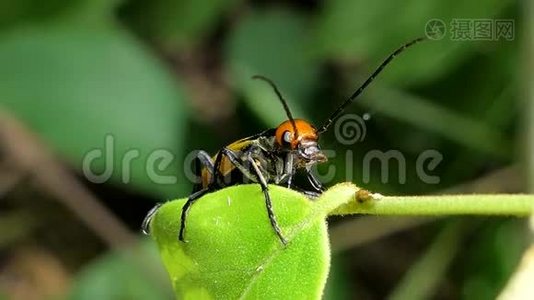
145	226
205	159
216	171
194	197
202	160
316	184
289	170
218	178
310	194
216	175
236	161
268	203
284	171
290	180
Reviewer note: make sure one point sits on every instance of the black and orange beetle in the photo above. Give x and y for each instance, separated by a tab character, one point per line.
270	157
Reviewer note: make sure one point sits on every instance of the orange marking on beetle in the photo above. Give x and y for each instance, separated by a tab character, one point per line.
305	131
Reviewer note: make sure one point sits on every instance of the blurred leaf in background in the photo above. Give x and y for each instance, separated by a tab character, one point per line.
370	29
76	84
491	258
284	55
176	25
133	274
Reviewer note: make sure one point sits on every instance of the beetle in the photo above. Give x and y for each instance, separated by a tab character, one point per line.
270	157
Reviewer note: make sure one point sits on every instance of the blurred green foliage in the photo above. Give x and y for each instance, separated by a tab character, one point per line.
490	261
75	71
122	275
284	53
176	24
76	84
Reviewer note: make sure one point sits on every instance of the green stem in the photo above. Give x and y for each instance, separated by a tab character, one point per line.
434	205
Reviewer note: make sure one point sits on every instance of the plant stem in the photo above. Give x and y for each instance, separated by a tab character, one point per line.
433	205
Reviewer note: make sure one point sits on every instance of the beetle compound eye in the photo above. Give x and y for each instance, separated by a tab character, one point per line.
287	137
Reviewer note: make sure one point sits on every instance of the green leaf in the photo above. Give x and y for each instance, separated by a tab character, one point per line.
283	55
232	251
75	86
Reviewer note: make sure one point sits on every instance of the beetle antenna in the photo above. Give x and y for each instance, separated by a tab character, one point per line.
284	102
351	99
